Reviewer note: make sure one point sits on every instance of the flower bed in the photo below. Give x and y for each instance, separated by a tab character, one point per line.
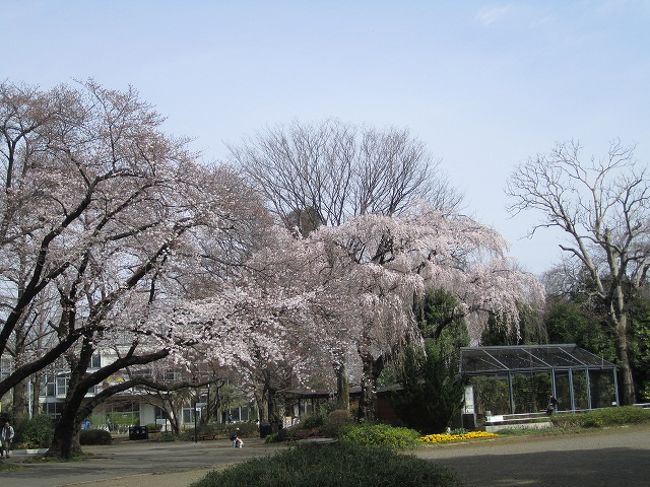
446	437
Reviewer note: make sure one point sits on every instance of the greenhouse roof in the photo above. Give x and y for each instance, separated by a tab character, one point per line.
484	360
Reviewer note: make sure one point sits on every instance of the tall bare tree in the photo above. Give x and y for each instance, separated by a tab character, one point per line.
603	206
326	173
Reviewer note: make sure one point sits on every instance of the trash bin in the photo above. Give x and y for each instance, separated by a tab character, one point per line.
265	429
469	421
138	433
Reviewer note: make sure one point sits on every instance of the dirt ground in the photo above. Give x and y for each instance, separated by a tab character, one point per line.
612	457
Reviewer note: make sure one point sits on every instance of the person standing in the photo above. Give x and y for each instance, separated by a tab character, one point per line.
6	437
552	404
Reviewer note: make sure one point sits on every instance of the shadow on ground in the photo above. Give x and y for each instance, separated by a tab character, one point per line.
608	467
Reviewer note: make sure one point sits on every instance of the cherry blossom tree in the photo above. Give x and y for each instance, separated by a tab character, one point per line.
383	262
356	282
326	173
113	217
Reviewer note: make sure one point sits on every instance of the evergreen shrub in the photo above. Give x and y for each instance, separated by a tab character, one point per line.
35	432
95	437
313	421
153	427
335	422
383	435
333	465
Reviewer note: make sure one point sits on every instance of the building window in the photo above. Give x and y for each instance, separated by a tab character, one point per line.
48	386
62	382
6	366
52	409
159	413
96	361
188	415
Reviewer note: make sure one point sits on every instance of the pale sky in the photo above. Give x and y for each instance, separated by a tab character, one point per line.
484	84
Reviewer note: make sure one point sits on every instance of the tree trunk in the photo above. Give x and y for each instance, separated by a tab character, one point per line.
36	393
173	419
342	388
274	416
262	408
367	399
65	442
20	401
622	349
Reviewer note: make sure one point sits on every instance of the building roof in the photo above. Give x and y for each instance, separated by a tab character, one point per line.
484	360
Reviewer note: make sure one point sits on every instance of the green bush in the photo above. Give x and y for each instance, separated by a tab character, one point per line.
379	435
602	417
246	430
292	433
335	422
167	436
332	465
95	437
313	421
153	427
35	433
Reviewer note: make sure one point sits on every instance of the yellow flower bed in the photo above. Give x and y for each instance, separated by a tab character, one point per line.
444	437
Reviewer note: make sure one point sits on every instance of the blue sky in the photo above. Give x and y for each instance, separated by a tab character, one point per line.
484	84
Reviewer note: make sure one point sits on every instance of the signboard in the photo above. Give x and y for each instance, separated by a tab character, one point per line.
468	407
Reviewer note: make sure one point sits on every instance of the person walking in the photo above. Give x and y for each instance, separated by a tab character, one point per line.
236	440
6	437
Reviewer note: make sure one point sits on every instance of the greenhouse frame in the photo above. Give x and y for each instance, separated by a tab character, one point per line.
520	378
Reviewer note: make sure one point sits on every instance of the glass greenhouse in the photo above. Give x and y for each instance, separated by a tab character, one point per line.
519	378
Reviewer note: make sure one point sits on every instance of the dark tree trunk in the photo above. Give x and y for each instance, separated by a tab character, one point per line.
273	414
367	399
65	442
20	401
263	410
342	388
36	393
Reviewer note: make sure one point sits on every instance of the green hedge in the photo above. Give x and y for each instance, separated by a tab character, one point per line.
34	433
154	427
246	430
313	421
333	465
293	433
603	417
380	435
95	437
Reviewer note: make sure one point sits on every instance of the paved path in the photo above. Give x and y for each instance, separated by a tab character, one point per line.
606	458
613	457
138	464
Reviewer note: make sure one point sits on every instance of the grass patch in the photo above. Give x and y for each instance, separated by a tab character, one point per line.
8	467
550	431
333	465
599	418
